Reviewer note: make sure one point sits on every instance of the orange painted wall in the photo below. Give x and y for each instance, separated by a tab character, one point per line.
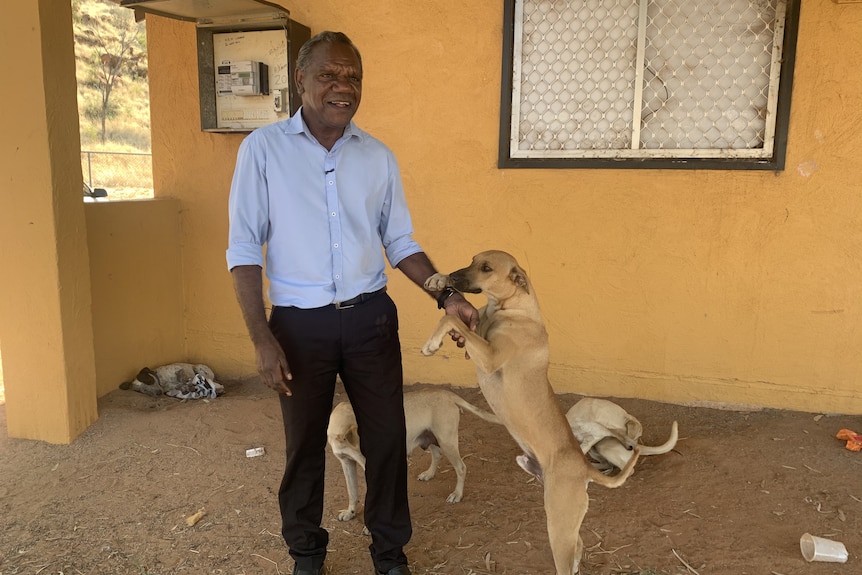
45	329
136	277
682	286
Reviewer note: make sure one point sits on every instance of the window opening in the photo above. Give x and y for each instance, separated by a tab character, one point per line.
650	83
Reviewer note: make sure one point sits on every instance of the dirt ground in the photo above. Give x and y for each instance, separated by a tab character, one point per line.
733	498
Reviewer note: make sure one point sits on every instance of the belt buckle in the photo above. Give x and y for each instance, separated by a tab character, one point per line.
340	305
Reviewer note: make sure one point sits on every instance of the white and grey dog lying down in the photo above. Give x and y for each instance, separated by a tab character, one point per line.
432	417
180	380
609	434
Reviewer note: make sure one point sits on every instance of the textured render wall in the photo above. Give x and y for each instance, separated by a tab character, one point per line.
682	286
136	279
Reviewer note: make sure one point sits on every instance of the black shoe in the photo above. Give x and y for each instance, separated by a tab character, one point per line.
298	571
397	570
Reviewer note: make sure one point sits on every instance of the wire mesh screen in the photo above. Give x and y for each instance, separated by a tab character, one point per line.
645	78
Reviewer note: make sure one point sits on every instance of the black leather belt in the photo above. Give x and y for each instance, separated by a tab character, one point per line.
361	298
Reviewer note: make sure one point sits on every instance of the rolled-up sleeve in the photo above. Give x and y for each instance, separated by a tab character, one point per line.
248	207
396	225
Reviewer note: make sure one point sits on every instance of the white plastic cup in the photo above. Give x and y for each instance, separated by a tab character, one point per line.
819	549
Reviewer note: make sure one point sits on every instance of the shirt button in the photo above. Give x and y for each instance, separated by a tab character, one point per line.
338	277
335	245
330	182
333	214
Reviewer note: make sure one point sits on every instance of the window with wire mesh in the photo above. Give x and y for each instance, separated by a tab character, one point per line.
647	83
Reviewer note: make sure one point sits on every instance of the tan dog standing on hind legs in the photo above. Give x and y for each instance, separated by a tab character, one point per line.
510	351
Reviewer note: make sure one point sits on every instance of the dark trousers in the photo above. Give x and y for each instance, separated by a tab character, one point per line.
361	345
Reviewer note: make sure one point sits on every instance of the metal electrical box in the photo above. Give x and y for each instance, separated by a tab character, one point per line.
246	56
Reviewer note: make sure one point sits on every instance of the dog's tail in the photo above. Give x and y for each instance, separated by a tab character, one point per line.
464	404
619	478
664	447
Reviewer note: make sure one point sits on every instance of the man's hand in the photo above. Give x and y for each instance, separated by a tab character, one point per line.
272	365
419	269
271	361
458	306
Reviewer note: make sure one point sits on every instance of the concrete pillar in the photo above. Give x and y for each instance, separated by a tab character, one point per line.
45	315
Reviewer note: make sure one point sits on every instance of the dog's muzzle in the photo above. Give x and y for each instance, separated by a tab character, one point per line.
460	282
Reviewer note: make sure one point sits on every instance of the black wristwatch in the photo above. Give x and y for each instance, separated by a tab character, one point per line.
444	295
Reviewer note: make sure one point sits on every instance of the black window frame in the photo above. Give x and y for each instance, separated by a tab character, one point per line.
774	163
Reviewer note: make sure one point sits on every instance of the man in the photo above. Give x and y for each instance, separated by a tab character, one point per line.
324	197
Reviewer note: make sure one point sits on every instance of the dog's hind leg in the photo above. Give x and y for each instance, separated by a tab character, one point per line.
453	454
428	442
429	473
348	465
565	507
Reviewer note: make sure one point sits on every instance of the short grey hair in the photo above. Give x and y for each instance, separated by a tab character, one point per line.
303	59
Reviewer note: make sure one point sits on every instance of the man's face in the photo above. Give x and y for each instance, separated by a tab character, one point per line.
331	88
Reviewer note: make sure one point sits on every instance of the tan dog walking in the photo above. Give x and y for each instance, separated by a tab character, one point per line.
510	351
431	416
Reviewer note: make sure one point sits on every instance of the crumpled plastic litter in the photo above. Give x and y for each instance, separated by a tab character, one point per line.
853	439
198	388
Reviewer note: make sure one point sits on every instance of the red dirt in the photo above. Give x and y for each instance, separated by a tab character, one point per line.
733	498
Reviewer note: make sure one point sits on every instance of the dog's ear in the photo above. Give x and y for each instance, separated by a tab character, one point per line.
519	278
145	376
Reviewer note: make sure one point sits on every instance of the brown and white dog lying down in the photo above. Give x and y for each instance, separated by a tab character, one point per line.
432	417
510	352
608	433
180	380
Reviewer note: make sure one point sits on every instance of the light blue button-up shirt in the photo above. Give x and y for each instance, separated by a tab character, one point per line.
322	214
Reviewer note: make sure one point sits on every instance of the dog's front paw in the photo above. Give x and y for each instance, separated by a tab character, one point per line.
431	346
346	514
437	282
426	475
454	497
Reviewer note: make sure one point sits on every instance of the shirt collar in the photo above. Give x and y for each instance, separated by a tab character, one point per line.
296	125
